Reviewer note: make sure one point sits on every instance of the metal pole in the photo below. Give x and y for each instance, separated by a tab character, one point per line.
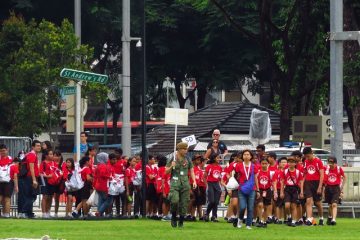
105	123
78	85
143	116
126	126
336	80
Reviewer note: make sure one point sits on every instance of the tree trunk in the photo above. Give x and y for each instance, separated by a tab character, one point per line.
285	122
116	115
180	97
202	91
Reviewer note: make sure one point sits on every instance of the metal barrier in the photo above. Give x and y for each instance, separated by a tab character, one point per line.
16	144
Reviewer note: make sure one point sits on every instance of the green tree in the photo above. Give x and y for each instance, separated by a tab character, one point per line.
33	55
291	37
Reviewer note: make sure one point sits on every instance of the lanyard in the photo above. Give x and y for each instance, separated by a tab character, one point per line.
247	174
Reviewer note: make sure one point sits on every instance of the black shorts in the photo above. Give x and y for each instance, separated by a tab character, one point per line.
151	194
199	196
310	190
85	192
6	189
267	199
332	194
291	194
48	190
235	193
131	189
59	188
279	201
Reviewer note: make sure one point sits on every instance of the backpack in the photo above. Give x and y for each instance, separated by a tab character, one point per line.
23	170
5	173
75	182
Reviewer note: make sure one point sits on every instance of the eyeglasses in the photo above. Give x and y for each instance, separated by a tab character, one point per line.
215	134
215	142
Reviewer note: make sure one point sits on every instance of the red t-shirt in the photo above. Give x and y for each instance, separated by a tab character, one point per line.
31	157
241	173
278	178
66	173
138	166
84	172
5	161
333	176
291	178
151	170
199	176
213	173
231	167
130	174
119	166
45	167
273	168
14	169
264	179
312	169
166	178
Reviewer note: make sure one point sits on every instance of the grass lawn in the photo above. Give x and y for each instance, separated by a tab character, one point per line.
156	230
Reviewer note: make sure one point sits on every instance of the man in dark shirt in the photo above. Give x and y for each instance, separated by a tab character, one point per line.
222	146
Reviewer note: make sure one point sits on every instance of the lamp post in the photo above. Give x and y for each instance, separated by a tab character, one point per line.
143	116
77	21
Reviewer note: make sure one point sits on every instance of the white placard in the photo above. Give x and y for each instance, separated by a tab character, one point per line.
176	116
191	140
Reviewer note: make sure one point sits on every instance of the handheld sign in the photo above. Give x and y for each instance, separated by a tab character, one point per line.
191	140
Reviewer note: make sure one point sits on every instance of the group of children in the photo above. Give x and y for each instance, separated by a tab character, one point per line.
285	190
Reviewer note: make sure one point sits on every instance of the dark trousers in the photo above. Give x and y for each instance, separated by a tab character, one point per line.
27	196
120	198
137	201
214	194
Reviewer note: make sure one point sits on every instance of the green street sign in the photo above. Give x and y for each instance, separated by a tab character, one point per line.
68	90
84	76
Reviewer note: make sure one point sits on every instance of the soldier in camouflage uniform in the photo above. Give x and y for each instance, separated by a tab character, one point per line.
179	195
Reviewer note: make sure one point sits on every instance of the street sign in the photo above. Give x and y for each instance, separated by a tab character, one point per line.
71	90
84	76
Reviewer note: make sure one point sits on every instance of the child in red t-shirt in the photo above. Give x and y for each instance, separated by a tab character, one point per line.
264	181
279	202
162	188
68	170
48	189
291	190
213	178
130	174
334	183
151	196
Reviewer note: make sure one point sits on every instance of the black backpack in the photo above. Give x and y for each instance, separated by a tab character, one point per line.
23	171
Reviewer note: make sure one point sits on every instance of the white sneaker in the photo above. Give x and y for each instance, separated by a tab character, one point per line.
248	228
239	223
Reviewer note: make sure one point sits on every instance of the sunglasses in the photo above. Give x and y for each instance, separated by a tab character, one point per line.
215	142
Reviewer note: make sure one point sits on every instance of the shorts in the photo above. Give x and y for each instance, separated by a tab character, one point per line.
48	190
199	196
59	188
332	194
291	194
6	189
234	193
151	194
310	190
267	199
85	192
279	201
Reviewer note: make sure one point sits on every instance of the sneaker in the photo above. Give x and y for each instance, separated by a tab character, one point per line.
298	223
308	223
269	220
75	214
136	216
166	218
231	220
277	221
201	218
321	222
333	223
214	219
206	218
292	224
248	228
264	225
328	221
237	223
193	219
259	225
188	218
226	218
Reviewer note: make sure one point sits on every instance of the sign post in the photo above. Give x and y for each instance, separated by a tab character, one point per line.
176	116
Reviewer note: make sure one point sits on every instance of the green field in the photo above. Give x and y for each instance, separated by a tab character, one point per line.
156	230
